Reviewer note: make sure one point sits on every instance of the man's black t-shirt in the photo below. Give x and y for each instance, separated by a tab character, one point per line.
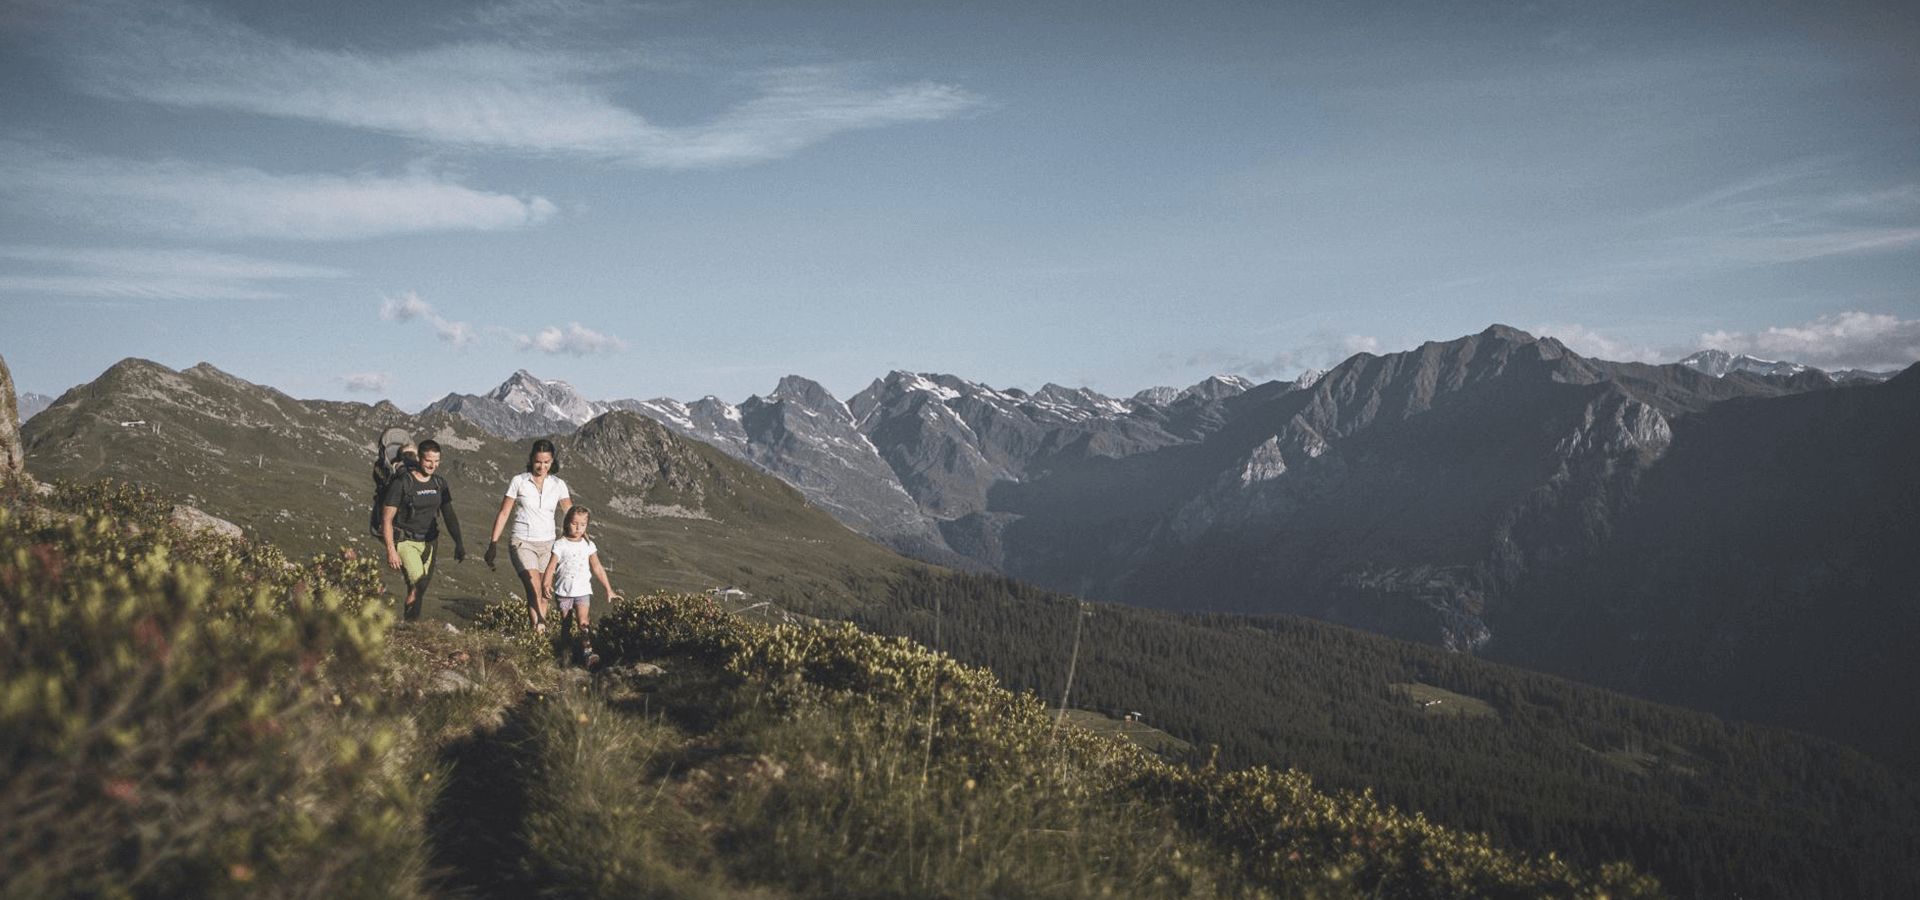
416	505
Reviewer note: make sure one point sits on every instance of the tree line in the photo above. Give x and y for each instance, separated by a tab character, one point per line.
1713	808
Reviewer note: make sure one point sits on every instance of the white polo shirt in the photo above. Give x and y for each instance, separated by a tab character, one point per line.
534	507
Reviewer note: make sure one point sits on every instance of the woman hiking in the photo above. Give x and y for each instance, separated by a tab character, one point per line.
533	498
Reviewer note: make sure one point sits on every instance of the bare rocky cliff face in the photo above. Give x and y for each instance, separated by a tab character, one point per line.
12	455
809	439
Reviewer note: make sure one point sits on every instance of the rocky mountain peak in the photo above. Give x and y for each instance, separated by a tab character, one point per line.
1082	398
553	399
1156	396
1508	333
809	395
637	450
1218	387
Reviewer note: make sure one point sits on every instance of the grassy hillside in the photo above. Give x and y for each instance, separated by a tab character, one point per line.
186	715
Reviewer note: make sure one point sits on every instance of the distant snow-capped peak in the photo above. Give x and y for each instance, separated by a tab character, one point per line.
553	399
1720	363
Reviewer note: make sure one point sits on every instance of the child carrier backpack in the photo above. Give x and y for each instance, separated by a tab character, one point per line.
387	463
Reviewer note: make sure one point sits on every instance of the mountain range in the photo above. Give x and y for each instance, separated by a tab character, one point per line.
1494	494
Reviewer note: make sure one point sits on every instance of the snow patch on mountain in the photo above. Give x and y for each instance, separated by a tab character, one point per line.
1720	363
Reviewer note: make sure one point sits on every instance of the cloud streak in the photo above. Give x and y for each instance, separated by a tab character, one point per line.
1795	214
476	94
573	340
408	307
145	274
368	382
182	199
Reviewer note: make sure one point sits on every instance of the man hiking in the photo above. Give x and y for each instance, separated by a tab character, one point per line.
408	523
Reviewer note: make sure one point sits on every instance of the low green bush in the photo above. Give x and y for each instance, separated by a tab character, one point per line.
185	715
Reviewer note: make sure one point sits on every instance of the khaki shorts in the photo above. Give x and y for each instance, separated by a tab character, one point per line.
530	558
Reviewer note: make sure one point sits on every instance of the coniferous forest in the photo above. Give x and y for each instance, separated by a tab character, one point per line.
1712	808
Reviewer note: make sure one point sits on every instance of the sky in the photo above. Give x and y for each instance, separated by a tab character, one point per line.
365	200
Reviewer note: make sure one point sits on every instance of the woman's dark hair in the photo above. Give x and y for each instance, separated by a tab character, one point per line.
544	446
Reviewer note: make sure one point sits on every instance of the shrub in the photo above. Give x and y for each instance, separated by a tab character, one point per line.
183	715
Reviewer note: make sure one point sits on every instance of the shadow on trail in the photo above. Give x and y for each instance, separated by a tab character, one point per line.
476	827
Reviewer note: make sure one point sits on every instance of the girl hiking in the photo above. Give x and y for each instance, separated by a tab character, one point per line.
570	575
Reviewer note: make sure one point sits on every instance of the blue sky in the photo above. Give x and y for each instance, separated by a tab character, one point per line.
364	200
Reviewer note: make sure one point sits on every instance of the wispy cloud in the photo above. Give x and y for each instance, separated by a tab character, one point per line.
573	340
1847	340
408	307
1321	351
477	94
147	274
368	382
177	198
1811	210
552	18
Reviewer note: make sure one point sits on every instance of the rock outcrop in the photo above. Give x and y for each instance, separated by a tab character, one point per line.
12	454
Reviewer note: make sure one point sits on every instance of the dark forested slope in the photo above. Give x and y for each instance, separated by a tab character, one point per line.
1714	808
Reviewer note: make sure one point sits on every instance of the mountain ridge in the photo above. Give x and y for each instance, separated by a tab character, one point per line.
1417	494
1425	494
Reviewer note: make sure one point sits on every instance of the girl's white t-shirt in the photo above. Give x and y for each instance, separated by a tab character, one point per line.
534	507
574	578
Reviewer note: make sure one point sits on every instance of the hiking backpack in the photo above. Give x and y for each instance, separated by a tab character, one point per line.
386	464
